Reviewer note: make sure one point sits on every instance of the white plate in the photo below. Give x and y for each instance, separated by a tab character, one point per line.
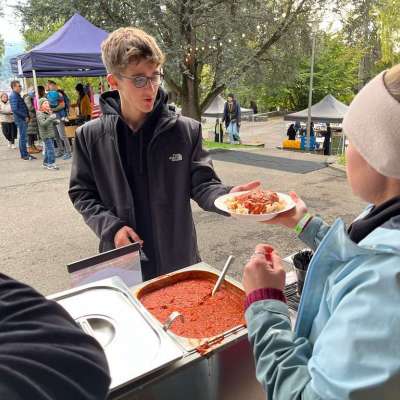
220	204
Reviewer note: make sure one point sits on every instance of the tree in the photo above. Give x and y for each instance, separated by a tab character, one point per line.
335	72
388	21
373	25
210	44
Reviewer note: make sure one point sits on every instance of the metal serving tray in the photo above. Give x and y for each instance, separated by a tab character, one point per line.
133	344
201	270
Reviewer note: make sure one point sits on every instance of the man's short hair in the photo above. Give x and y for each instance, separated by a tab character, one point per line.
14	83
129	46
51	82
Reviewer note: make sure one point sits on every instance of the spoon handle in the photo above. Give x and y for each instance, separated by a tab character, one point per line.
228	263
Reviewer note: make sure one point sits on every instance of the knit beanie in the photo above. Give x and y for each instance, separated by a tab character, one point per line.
372	124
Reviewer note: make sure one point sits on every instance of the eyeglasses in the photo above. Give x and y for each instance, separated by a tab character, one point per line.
142	81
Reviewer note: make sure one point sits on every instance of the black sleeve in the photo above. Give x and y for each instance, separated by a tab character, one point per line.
43	354
85	196
206	186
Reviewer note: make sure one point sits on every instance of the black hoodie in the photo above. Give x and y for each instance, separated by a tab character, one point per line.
177	169
133	150
43	353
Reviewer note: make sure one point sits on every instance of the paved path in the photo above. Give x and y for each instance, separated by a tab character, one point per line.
40	232
269	133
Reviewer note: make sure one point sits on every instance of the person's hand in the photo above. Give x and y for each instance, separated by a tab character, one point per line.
247	186
292	217
126	235
264	270
27	119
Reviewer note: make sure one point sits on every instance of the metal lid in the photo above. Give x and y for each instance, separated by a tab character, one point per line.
133	344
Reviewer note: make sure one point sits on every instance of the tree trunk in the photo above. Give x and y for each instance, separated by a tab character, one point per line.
190	98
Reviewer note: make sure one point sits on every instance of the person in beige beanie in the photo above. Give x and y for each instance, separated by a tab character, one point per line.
344	345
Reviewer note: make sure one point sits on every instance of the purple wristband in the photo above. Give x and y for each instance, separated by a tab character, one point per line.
264	294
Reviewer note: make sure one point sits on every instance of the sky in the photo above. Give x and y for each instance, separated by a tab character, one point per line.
9	27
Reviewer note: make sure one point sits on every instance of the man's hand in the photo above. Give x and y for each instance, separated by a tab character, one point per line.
292	217
247	186
27	119
264	270
126	235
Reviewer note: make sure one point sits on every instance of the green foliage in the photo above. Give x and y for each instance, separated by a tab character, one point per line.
335	72
34	36
388	21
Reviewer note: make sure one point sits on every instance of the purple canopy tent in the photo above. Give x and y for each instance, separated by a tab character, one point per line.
74	50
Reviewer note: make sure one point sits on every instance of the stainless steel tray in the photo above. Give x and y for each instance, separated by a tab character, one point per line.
133	344
190	344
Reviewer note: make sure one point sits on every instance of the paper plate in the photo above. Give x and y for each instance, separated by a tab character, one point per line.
220	204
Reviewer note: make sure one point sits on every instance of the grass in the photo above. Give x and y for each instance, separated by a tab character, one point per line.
209	144
342	159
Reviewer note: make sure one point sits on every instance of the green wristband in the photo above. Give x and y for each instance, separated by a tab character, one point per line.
302	223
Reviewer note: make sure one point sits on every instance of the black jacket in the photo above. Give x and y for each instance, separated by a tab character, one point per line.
178	169
43	353
234	115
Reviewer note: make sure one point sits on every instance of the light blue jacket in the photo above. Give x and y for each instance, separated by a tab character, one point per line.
346	342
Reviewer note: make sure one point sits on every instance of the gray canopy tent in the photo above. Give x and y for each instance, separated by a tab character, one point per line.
328	109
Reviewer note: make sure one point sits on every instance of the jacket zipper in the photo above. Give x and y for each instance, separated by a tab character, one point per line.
156	134
114	139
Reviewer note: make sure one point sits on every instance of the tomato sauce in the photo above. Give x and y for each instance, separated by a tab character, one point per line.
205	316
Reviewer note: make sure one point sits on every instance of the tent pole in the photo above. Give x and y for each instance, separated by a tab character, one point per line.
35	84
25	84
308	144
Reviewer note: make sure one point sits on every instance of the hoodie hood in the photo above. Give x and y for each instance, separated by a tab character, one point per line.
110	103
159	119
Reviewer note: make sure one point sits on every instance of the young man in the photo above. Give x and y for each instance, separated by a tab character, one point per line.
21	118
136	167
232	118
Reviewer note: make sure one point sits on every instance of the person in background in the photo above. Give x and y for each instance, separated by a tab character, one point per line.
41	93
345	344
253	106
21	118
218	131
8	127
297	127
232	118
64	115
47	120
33	129
44	355
312	130
83	104
291	132
327	140
58	107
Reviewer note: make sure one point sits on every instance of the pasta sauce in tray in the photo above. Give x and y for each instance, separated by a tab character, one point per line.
204	316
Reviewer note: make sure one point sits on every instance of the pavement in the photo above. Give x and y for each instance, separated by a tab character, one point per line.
40	232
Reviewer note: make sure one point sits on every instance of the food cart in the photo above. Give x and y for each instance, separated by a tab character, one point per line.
149	362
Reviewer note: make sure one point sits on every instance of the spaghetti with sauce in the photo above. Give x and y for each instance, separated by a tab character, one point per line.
256	201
